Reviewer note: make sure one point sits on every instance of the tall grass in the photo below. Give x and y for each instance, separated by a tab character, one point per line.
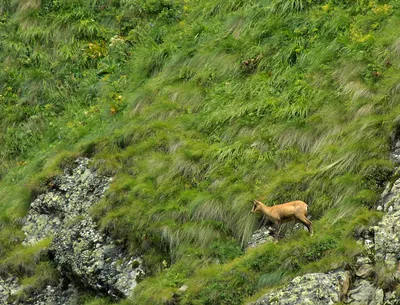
197	108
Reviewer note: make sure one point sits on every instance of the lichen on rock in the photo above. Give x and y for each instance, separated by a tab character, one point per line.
312	288
8	288
260	236
62	294
386	234
82	253
365	293
72	194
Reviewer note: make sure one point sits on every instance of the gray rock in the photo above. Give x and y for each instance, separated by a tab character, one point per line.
73	193
392	298
312	288
261	236
364	267
369	244
365	293
383	244
365	271
387	239
378	297
8	288
183	288
390	197
81	251
362	260
396	152
55	295
383	240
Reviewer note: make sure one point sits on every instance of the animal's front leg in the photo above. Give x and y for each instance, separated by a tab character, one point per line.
277	230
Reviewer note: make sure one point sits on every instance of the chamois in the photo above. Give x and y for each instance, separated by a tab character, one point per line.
294	210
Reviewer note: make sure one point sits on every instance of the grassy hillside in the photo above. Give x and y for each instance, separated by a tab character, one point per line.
197	107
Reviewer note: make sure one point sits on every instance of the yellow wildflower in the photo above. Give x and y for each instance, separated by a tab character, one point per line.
325	7
113	110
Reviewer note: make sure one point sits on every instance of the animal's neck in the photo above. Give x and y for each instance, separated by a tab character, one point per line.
265	209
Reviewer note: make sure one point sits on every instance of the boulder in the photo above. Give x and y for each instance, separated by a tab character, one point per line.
365	293
260	236
364	267
312	288
8	288
55	295
82	253
71	195
387	231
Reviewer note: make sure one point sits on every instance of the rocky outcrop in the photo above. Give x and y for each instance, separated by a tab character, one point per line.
365	293
386	244
8	288
71	195
260	236
395	155
265	234
364	267
82	253
54	295
313	289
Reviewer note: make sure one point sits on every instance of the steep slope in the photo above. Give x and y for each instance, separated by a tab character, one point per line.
195	108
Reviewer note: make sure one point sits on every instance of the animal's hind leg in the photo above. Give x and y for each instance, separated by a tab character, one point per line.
307	223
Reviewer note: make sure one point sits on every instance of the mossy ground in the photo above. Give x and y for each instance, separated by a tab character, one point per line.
197	107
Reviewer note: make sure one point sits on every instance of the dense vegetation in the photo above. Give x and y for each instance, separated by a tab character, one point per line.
197	107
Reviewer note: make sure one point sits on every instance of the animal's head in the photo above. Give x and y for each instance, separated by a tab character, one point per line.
256	206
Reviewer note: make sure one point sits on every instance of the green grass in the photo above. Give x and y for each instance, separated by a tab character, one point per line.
197	108
264	267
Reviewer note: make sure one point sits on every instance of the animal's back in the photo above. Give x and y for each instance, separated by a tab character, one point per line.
296	203
294	207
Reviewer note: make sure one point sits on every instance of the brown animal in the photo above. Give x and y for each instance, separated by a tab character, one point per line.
294	210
